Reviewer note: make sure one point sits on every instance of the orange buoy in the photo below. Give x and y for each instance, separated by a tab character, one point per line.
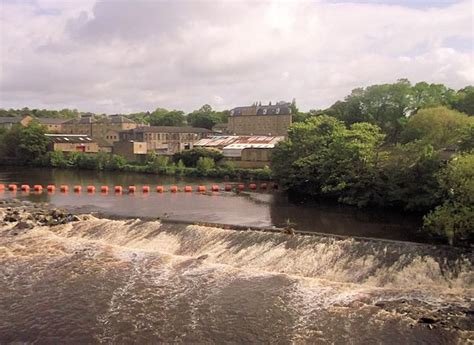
146	189
77	189
160	189
90	189
252	186
51	188
38	188
263	186
201	189
228	187
25	187
188	189
12	187
173	189
215	188
2	187
104	189
132	189
241	187
63	188
118	189
275	186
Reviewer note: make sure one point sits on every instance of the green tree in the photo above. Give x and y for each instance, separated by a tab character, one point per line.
205	164
163	117
32	143
454	218
464	100
322	158
191	157
204	117
439	126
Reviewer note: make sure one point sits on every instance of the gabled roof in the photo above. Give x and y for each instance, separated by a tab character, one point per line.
11	119
167	129
50	120
276	109
70	138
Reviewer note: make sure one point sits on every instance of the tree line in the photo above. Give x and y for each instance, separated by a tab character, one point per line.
389	146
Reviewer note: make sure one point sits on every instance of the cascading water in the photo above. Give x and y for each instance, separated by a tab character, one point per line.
100	280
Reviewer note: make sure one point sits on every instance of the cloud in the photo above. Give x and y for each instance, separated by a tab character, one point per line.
123	56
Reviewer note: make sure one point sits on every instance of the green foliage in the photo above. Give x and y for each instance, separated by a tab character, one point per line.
466	138
204	117
163	117
464	100
191	157
438	126
454	219
408	176
323	158
25	144
205	164
57	159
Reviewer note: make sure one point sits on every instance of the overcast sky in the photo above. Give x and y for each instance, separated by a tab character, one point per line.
136	55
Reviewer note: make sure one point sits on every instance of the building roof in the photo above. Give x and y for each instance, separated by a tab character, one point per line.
253	142
222	140
11	119
168	129
116	119
51	121
70	138
276	109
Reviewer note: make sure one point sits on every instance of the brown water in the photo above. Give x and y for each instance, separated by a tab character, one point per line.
129	281
261	209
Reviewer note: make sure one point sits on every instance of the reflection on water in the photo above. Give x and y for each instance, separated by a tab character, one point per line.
248	209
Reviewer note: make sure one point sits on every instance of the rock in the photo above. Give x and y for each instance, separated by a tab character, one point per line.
427	320
24	225
380	304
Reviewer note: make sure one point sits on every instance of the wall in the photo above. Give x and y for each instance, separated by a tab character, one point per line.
133	151
274	125
72	147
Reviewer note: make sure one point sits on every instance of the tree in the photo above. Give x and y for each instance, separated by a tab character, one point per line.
438	126
163	117
32	143
204	117
464	100
191	157
322	158
454	218
205	164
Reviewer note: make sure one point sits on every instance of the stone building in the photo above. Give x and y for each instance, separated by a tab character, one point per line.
8	122
165	140
99	128
270	120
133	151
72	143
52	125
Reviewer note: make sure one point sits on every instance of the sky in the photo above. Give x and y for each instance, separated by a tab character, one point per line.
123	56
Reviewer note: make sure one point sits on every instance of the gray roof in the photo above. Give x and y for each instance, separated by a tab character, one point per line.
168	129
11	119
276	109
70	138
51	121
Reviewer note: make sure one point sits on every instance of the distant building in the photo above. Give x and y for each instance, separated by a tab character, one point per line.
270	120
165	140
98	128
243	151
52	125
72	143
8	122
133	151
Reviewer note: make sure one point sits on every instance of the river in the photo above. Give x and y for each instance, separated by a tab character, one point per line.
256	209
122	281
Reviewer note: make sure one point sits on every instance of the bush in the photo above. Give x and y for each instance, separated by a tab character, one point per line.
191	157
205	164
454	219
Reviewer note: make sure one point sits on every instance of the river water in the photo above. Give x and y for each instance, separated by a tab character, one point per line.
256	209
143	281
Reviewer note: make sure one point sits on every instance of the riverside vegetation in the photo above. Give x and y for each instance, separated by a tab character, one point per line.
395	145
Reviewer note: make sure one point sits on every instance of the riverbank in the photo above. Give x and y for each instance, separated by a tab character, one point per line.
103	275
